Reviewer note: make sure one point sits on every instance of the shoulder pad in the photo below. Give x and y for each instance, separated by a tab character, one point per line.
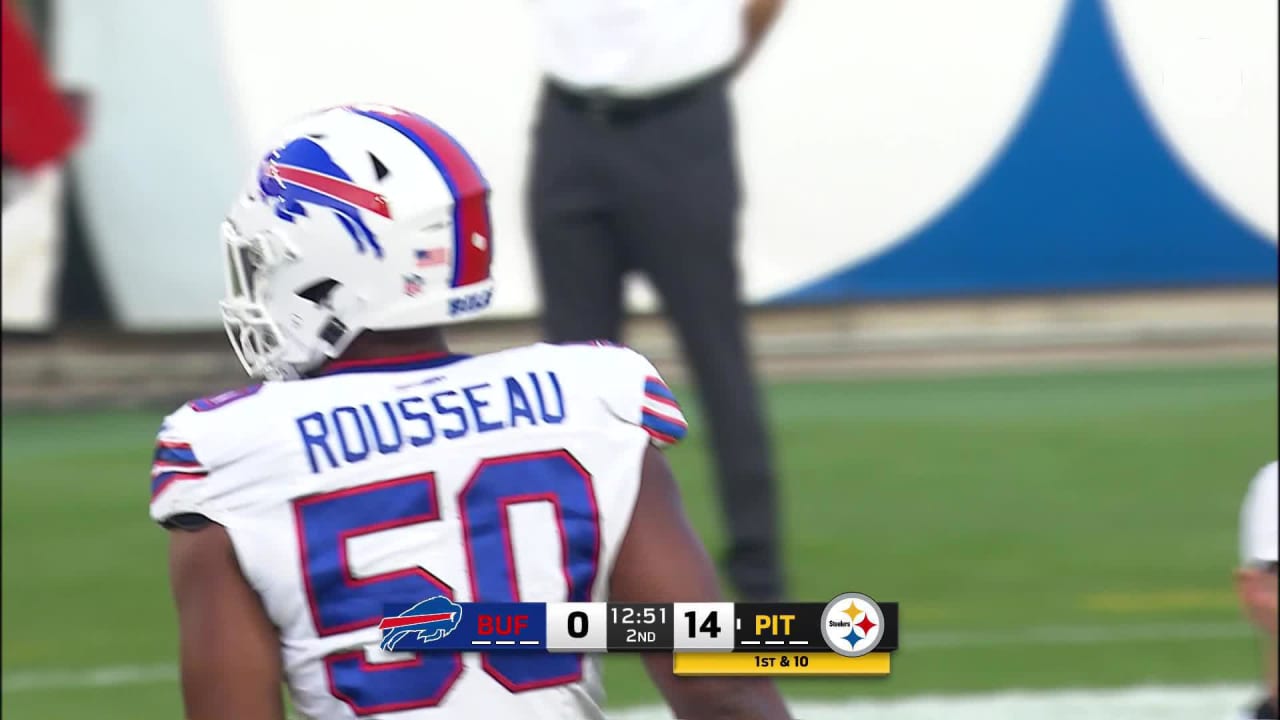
175	469
194	440
636	393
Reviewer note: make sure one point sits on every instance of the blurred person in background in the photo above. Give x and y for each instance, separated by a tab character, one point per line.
1256	577
38	130
634	169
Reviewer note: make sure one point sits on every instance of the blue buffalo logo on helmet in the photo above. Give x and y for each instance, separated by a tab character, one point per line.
302	173
431	620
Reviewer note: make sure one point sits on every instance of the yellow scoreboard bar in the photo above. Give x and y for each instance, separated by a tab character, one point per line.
779	664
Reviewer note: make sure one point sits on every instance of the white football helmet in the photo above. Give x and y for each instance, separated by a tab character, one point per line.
359	218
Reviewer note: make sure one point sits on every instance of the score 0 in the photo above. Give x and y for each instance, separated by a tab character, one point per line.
703	627
577	627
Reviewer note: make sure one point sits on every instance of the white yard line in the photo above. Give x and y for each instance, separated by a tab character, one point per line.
1150	702
1050	635
36	680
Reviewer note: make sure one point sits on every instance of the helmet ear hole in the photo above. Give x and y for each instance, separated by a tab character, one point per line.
319	292
333	332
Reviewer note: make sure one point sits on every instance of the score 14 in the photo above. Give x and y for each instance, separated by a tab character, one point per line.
704	626
710	625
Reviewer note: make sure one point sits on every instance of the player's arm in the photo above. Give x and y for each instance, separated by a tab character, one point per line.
662	560
229	651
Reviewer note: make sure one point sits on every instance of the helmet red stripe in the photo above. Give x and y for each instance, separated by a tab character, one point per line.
473	236
333	187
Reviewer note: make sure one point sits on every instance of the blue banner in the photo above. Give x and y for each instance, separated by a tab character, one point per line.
1086	195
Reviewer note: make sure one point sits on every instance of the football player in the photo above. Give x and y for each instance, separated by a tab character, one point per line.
371	464
1256	577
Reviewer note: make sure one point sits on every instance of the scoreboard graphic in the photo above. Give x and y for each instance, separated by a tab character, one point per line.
850	635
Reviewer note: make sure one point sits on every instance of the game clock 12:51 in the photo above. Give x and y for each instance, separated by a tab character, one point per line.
640	626
638	614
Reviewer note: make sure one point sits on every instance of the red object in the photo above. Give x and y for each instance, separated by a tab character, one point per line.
472	246
37	125
343	190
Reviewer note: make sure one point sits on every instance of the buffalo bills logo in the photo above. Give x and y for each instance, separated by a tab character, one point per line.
430	620
302	173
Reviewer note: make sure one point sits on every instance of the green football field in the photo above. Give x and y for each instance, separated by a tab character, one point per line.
1039	530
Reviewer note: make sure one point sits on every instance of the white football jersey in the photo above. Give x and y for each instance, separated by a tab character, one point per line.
499	478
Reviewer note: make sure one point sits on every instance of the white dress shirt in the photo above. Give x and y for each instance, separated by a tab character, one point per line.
634	48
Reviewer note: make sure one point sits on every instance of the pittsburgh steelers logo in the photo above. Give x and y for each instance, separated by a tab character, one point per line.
852	624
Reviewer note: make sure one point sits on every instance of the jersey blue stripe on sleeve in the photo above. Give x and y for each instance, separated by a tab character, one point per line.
175	453
162	480
658	390
174	461
667	429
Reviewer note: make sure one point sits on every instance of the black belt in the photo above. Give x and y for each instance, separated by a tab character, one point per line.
614	109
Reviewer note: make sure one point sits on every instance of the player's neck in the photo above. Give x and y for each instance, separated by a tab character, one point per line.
379	346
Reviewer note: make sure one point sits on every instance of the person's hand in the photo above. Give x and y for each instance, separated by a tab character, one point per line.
758	18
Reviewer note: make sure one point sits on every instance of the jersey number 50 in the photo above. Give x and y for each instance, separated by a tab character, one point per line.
341	602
